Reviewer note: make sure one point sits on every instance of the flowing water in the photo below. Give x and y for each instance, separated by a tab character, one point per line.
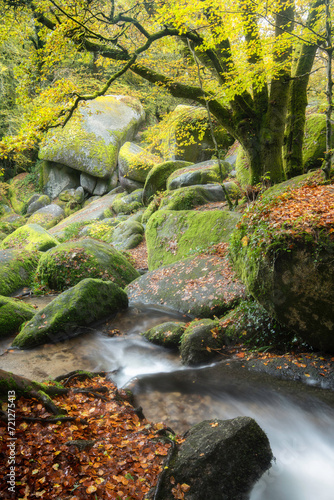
300	428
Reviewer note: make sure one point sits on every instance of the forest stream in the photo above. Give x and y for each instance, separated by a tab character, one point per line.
300	426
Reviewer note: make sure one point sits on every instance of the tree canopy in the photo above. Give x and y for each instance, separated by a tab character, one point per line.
251	67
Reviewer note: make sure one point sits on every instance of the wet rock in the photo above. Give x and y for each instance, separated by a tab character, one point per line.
219	460
167	334
199	341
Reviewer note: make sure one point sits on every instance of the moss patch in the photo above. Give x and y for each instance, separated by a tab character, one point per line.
157	177
30	237
13	313
16	269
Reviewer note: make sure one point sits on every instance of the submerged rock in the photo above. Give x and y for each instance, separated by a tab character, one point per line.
219	460
87	302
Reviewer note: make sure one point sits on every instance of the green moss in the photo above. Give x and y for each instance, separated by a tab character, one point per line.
314	145
13	313
16	269
242	168
129	203
71	262
202	173
167	334
174	235
20	191
157	177
186	198
30	237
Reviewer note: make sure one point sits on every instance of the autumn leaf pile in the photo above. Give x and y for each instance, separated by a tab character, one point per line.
123	460
305	209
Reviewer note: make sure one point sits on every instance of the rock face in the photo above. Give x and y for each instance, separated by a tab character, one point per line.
90	142
13	313
203	286
206	172
219	460
174	235
30	237
81	305
71	262
288	267
16	269
135	163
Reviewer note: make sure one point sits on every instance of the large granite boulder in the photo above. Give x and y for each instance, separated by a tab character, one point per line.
206	172
135	163
186	135
13	313
92	138
203	286
156	179
173	235
17	267
127	235
36	202
200	341
219	460
128	203
67	315
283	250
56	178
30	237
73	261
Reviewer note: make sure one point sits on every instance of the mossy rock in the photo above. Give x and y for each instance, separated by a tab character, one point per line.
16	269
127	235
207	172
287	265
135	162
48	216
157	178
189	197
242	168
199	341
173	235
10	222
91	139
128	203
13	313
201	287
19	193
30	237
69	313
314	145
69	263
38	202
166	335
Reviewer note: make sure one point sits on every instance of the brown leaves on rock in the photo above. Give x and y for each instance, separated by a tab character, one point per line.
105	453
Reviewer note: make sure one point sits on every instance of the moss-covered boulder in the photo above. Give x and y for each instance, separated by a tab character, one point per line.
200	341
189	197
157	178
36	203
67	315
173	235
9	223
91	139
127	234
13	313
314	145
185	135
283	250
47	217
166	334
19	193
30	237
219	460
56	178
135	162
96	210
69	263
206	172
202	287
16	269
128	203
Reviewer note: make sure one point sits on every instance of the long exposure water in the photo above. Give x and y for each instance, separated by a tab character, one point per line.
301	432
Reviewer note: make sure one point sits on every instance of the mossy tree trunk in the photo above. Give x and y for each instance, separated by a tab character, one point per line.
295	126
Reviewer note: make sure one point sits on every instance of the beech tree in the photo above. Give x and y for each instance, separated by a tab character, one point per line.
255	61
